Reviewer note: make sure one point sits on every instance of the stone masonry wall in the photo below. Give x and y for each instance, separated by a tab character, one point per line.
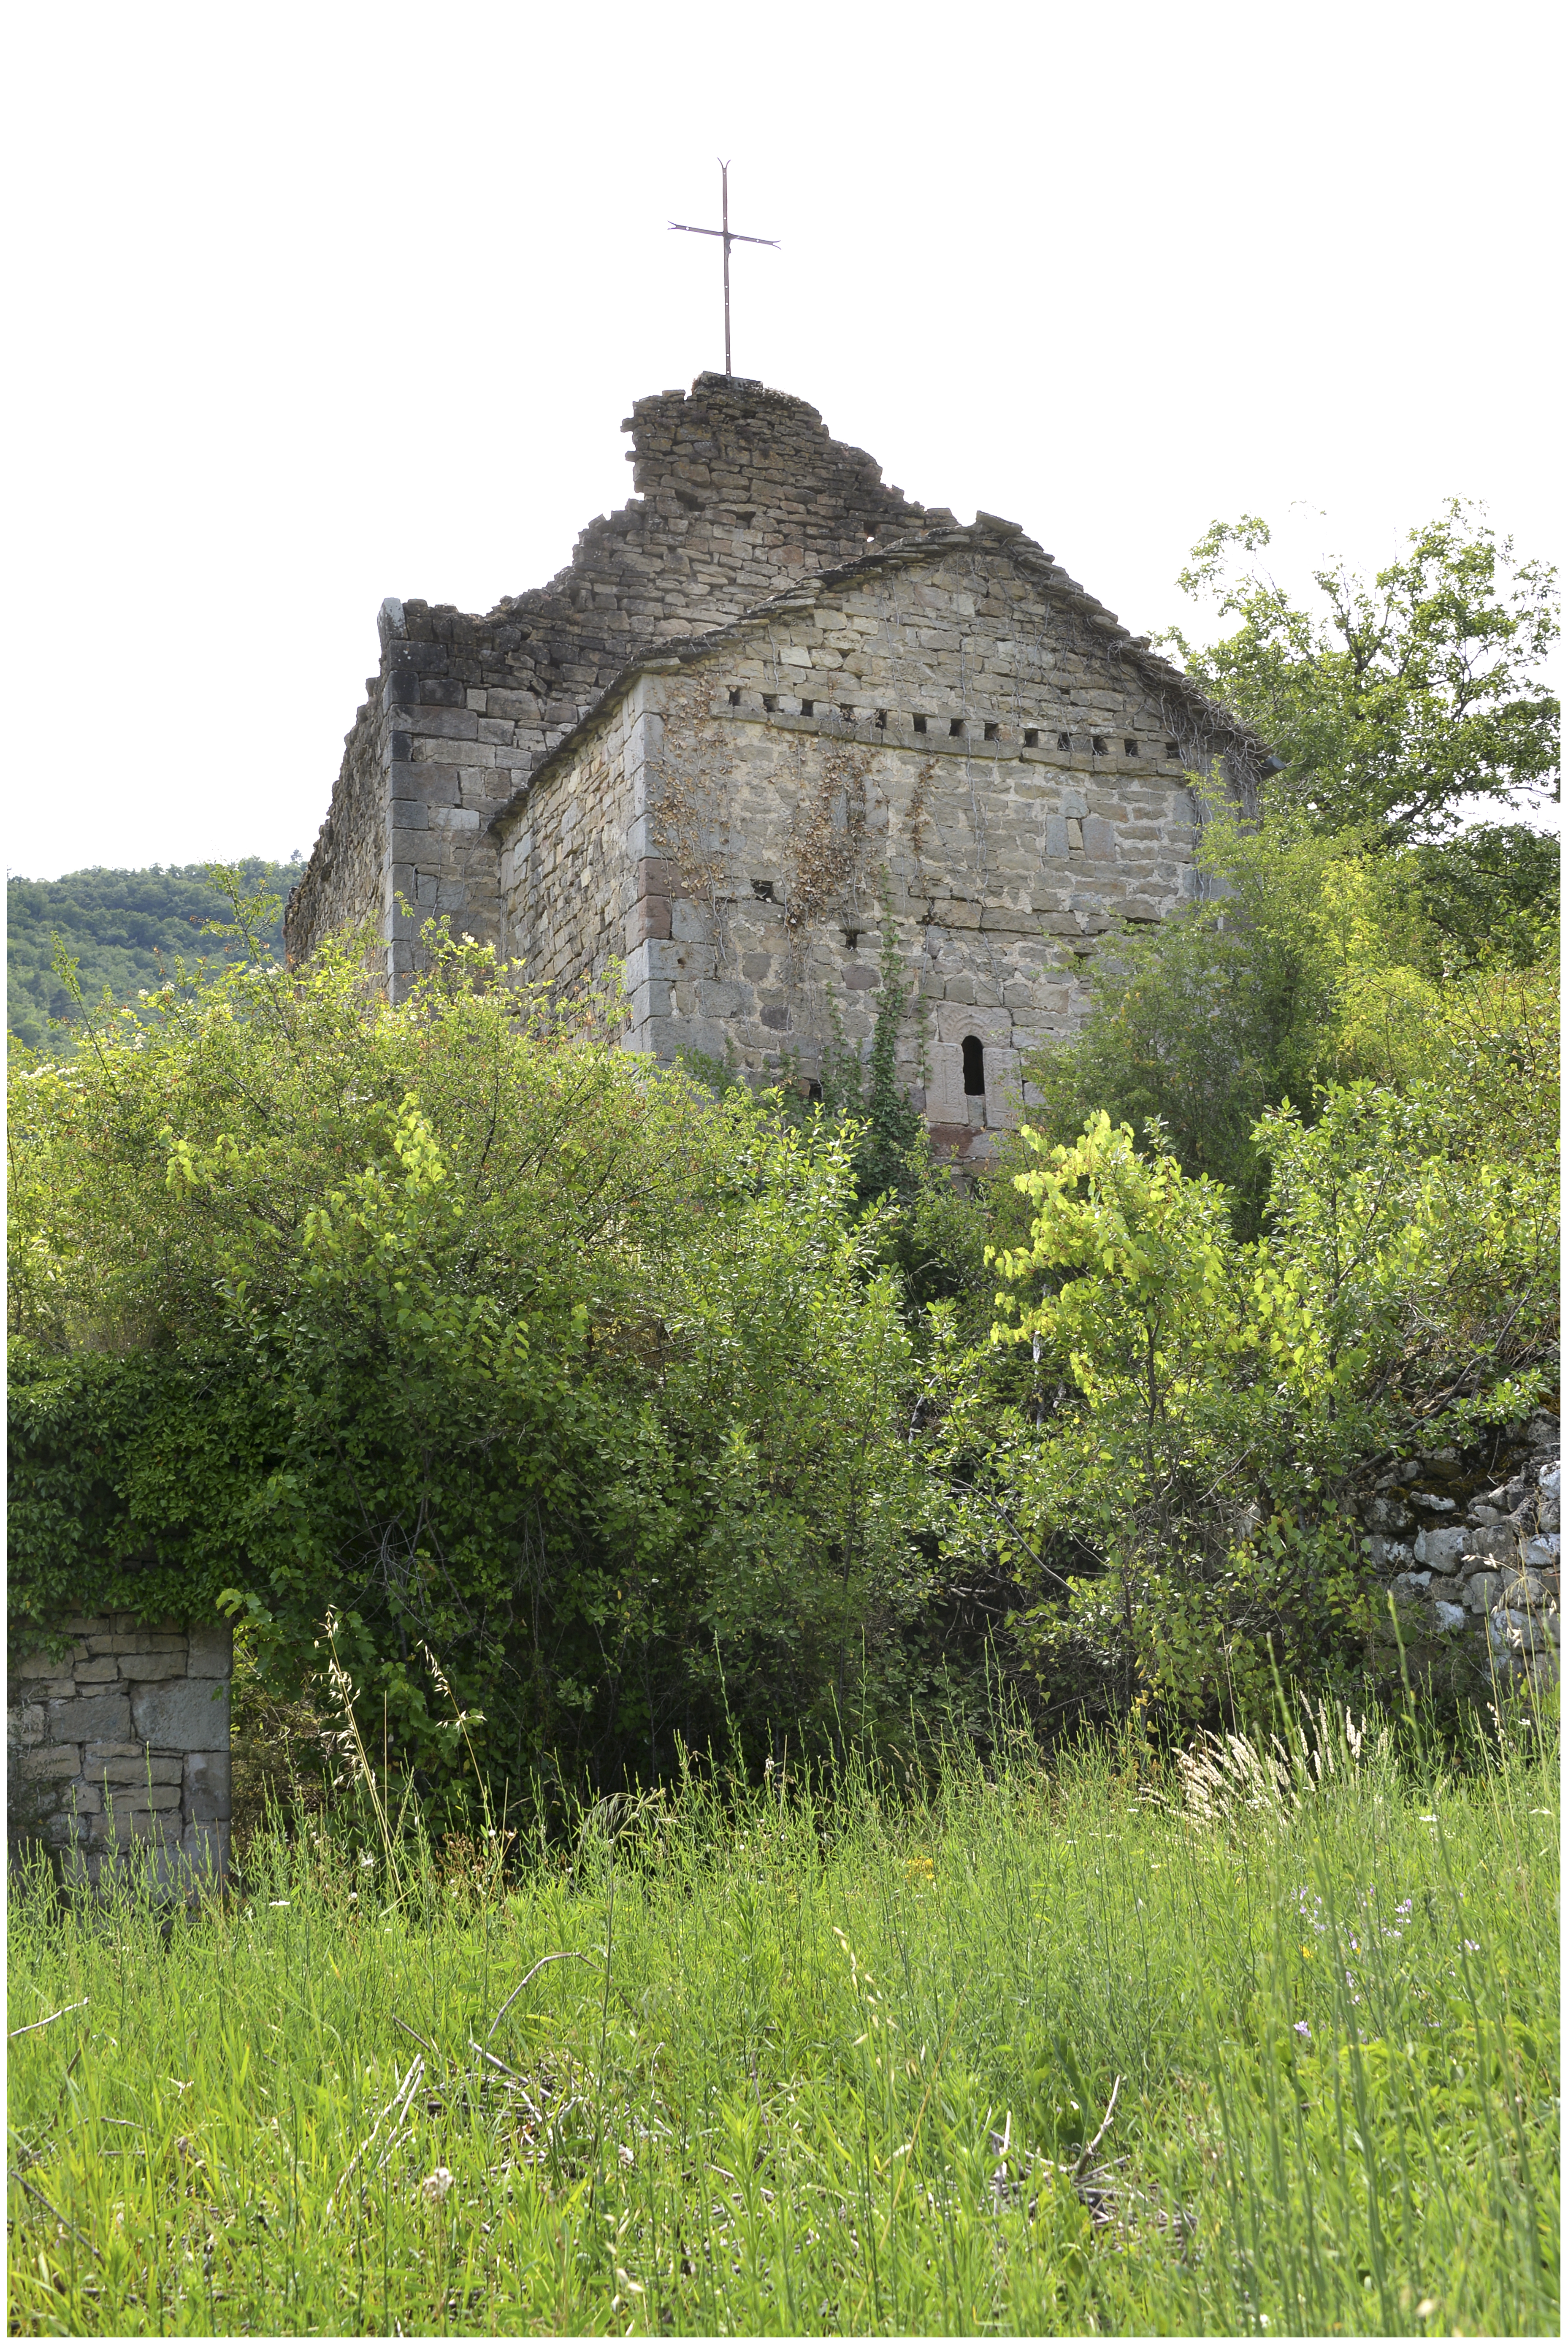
936	730
742	492
344	884
1475	1561
121	1747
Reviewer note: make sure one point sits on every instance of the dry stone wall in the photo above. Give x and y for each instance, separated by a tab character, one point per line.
118	1748
1475	1561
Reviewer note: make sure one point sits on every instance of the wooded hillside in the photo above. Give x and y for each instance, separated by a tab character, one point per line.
124	930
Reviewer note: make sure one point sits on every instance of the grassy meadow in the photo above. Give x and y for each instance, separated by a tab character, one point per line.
1036	2051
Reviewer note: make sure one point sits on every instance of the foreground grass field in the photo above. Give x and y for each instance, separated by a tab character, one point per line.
1037	2055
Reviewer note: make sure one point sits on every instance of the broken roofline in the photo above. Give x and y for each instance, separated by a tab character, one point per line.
906	553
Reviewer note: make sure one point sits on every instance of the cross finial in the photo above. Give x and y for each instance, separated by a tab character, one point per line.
730	237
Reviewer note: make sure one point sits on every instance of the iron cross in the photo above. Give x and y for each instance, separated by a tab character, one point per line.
730	237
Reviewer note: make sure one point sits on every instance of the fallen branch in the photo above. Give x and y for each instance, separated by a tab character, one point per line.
32	2026
63	2220
1085	2154
570	1955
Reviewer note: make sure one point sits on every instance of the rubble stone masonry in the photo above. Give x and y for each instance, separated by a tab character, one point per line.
741	491
766	706
119	1747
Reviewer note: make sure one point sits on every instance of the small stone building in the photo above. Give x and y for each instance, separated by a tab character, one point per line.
770	706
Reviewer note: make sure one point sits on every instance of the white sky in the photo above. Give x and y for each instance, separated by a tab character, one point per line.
312	305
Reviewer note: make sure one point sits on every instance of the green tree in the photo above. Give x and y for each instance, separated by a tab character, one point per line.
1386	704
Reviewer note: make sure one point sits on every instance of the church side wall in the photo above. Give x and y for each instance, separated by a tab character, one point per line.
569	880
344	883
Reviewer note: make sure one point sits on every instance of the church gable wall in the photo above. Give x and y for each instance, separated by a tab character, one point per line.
940	740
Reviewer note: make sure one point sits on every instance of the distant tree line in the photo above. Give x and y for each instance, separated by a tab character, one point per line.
124	930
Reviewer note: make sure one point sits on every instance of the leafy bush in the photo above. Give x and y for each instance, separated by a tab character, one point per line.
476	1331
1308	961
1172	1497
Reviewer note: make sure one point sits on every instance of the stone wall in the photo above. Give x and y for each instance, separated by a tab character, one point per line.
121	1747
1474	1559
742	492
344	885
937	731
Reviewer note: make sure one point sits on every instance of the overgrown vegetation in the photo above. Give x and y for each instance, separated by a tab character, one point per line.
124	930
1260	2050
634	1402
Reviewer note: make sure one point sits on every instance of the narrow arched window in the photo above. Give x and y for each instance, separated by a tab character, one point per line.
974	1067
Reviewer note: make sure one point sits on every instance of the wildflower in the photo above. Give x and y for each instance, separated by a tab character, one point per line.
1301	2028
436	2185
1470	1946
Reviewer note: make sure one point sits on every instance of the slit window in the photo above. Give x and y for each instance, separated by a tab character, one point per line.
735	696
920	725
808	708
852	938
956	729
1032	737
763	889
814	1091
882	720
1130	748
993	732
1173	748
1063	740
974	1067
1099	745
771	701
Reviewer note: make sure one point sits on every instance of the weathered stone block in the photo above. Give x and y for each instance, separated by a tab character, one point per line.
39	1665
140	1767
138	1667
211	1650
143	1799
208	1784
91	1717
49	1761
191	1714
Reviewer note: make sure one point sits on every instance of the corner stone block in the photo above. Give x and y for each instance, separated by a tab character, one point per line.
212	1651
191	1714
204	1849
206	1787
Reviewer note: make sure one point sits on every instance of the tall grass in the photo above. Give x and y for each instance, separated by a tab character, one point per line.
808	2064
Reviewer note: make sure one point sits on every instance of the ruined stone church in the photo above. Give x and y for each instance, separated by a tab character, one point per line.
770	706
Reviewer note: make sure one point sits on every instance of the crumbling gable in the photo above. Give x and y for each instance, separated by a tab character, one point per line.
741	491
